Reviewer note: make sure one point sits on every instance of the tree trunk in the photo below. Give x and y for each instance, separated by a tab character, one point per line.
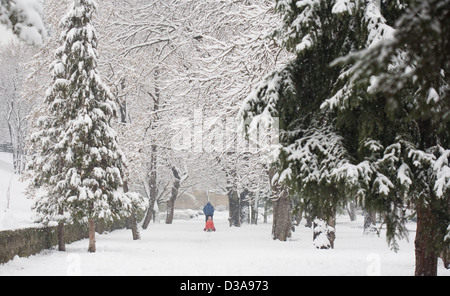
150	212
153	189
244	206
91	235
170	211
234	202
282	217
282	210
370	223
351	210
234	207
153	158
445	256
254	209
297	217
426	256
61	242
132	219
151	193
173	197
309	220
266	210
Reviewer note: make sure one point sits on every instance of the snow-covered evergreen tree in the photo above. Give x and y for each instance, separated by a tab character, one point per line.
314	157
397	100
78	159
386	105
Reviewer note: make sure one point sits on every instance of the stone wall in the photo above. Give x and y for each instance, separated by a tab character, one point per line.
30	241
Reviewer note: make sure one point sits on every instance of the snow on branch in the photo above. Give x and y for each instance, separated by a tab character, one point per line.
24	18
441	169
262	102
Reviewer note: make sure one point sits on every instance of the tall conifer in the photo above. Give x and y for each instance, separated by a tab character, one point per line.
314	157
78	159
375	123
405	81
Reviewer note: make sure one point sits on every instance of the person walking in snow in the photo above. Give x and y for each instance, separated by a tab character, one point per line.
208	210
209	225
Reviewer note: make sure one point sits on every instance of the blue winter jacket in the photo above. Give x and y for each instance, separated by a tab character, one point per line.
208	209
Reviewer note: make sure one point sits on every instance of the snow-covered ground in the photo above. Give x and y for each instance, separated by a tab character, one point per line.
184	249
15	213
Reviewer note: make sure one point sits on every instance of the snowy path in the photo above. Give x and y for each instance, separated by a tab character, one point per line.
184	249
15	213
